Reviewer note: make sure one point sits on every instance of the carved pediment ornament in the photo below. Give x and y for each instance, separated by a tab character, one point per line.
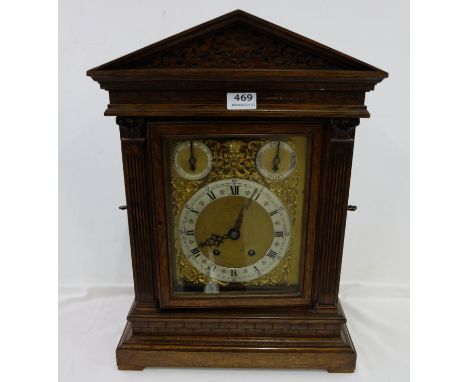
239	47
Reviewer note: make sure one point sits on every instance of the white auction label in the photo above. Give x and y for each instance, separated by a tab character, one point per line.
241	101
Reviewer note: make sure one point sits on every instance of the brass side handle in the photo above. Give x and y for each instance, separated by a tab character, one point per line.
352	208
122	207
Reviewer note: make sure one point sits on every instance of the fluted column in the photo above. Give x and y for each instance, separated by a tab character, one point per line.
336	173
133	136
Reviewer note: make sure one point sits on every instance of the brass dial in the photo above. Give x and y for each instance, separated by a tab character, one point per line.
234	230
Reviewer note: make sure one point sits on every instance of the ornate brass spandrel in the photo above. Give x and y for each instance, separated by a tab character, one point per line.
235	159
182	190
186	271
286	190
279	275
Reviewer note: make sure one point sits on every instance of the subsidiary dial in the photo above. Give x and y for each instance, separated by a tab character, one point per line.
192	160
276	160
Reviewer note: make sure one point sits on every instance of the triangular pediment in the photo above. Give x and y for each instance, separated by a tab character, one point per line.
237	40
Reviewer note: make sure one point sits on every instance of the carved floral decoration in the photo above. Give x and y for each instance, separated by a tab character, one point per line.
239	47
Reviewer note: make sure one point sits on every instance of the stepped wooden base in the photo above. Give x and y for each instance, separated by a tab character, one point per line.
333	352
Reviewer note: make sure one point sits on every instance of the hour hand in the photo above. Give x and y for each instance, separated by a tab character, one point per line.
214	240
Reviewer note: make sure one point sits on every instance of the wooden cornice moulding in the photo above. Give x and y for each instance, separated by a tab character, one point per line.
155	110
231	75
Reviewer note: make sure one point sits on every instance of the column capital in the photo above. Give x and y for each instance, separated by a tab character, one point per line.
132	127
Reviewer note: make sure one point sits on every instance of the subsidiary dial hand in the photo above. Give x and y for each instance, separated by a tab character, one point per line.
192	160
276	159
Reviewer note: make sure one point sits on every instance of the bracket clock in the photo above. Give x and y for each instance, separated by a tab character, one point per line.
237	140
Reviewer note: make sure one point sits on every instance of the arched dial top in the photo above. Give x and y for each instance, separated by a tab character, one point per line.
276	160
234	230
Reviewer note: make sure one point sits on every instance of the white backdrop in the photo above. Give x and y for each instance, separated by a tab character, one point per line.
93	237
94	255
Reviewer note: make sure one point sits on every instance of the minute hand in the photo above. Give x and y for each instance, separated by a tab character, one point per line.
240	217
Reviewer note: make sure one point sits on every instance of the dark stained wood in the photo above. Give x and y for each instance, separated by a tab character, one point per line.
136	352
230	75
199	111
178	87
333	209
137	189
287	48
296	338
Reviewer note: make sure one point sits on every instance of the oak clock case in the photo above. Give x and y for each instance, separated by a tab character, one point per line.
237	213
237	217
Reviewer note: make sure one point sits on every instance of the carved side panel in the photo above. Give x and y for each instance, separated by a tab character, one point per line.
336	174
133	139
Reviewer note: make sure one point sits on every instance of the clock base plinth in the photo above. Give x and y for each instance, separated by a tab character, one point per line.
331	350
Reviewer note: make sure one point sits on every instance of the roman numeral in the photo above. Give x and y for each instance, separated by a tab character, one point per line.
273	212
257	193
258	270
195	212
233	273
190	232
211	195
196	252
272	254
211	267
235	190
279	234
